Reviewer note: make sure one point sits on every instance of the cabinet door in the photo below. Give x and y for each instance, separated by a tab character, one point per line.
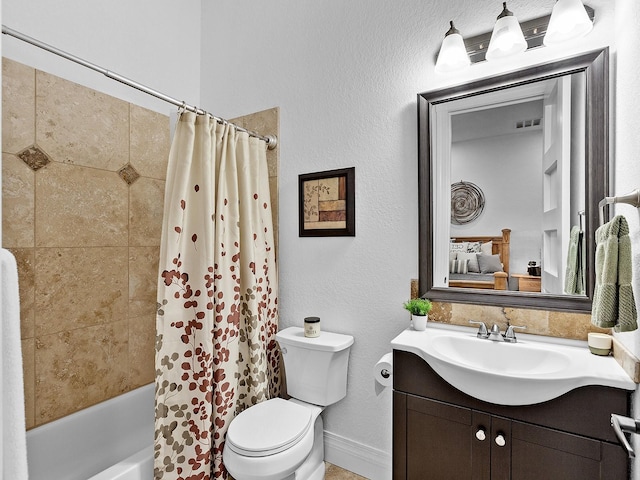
501	442
441	442
539	452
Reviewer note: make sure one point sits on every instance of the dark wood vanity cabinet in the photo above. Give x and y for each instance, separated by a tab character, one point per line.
441	433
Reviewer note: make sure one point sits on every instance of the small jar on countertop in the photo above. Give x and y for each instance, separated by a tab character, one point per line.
312	327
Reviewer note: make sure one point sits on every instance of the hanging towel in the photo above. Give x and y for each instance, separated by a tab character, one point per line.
14	441
613	302
574	277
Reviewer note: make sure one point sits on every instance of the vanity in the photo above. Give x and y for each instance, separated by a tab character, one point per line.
441	432
540	408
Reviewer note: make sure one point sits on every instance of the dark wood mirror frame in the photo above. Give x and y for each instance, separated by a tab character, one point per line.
596	67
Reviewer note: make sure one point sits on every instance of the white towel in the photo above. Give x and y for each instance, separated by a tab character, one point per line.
14	441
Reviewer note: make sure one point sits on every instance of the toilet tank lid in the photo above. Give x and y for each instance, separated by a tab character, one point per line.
327	341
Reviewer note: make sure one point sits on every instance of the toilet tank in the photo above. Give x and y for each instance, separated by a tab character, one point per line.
316	368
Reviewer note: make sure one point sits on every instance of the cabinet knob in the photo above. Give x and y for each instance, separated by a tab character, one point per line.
480	435
500	441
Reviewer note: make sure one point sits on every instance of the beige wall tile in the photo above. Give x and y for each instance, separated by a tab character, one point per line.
142	339
143	280
78	125
462	313
18	106
149	142
25	259
79	368
571	325
145	212
537	322
78	206
29	379
18	203
265	122
80	287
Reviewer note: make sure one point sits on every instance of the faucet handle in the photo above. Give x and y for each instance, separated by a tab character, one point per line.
482	329
510	335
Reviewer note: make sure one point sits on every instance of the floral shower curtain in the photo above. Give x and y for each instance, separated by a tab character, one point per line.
217	296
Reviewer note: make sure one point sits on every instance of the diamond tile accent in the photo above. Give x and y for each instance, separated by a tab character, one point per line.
128	174
34	157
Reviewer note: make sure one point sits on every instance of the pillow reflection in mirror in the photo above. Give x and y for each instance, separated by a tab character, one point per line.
458	246
474	247
459	266
489	263
473	261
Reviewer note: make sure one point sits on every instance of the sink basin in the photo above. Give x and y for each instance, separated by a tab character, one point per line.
522	373
506	359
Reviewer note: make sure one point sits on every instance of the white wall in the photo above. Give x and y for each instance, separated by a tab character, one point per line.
346	75
626	172
154	42
508	169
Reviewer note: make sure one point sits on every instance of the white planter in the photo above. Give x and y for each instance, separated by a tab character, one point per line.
419	322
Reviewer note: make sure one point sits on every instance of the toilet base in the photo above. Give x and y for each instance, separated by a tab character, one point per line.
313	467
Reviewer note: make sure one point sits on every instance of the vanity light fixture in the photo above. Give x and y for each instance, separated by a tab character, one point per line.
569	20
453	53
566	22
507	38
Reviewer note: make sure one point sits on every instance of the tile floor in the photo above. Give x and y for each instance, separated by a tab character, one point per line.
337	473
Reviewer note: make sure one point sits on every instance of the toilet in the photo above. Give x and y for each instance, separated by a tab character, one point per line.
283	439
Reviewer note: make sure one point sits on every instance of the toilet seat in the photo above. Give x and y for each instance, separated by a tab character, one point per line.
268	428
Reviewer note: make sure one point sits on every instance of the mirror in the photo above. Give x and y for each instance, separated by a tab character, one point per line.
511	170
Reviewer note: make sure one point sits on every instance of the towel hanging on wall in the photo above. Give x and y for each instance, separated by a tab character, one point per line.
614	305
13	454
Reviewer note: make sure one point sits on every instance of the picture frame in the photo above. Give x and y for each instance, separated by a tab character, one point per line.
326	203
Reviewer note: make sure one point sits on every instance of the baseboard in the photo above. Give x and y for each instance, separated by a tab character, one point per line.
366	461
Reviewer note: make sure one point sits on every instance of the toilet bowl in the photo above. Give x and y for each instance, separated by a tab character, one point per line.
284	439
276	439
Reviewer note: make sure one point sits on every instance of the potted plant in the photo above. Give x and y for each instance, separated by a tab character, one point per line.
419	309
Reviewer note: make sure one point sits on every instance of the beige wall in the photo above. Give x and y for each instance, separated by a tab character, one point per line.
86	236
82	191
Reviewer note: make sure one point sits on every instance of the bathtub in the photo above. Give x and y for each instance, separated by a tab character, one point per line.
109	441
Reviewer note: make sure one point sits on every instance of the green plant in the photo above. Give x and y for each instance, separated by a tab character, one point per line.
418	306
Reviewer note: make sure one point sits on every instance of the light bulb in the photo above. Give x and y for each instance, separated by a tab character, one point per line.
453	53
507	38
569	20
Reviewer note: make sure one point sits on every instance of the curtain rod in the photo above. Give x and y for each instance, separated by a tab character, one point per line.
271	140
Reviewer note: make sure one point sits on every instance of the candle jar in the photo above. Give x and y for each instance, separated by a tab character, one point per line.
312	327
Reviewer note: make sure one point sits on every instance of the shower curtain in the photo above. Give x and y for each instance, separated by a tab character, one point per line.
217	296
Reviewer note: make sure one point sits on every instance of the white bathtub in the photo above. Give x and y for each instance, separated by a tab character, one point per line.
109	441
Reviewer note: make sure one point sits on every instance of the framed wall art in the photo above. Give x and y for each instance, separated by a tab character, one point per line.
327	203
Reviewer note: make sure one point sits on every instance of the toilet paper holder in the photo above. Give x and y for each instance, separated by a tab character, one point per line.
622	425
385	373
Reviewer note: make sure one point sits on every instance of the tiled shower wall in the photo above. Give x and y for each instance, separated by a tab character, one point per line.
82	190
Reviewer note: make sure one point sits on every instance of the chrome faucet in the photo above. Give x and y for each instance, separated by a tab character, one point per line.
510	335
494	334
482	329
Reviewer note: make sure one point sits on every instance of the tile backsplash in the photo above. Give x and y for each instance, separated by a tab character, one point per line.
538	322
